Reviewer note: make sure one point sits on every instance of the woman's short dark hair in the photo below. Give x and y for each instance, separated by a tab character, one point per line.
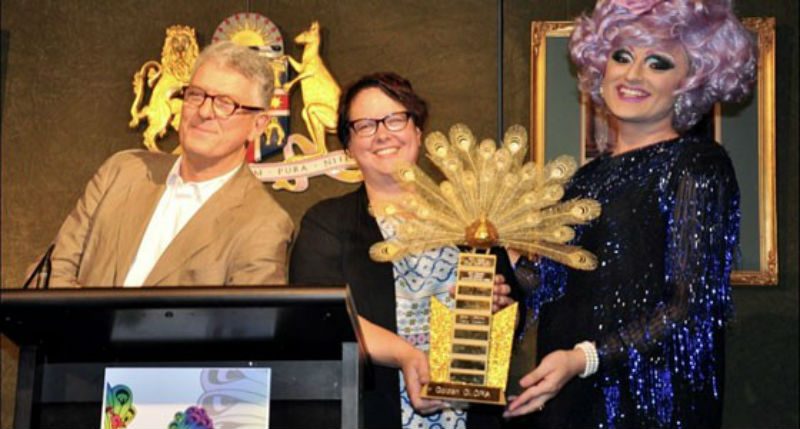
395	87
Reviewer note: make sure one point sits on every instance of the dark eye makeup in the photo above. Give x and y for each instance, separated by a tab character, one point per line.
654	61
659	62
622	56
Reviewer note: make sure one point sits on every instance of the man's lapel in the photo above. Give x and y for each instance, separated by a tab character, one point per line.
205	226
141	202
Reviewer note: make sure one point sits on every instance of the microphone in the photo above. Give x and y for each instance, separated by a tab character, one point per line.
40	277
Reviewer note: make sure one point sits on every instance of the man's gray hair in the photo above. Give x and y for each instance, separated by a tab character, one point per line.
244	60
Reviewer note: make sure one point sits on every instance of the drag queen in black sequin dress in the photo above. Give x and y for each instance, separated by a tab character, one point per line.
639	342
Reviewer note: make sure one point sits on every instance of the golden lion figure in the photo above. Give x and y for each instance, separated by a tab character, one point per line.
165	79
320	92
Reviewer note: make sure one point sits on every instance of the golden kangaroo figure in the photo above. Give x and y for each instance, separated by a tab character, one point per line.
320	92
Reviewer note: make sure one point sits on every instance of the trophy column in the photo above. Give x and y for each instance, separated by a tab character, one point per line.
470	348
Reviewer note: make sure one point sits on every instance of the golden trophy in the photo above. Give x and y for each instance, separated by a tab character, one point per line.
490	197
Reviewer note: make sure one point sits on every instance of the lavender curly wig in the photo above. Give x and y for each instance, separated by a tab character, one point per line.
721	52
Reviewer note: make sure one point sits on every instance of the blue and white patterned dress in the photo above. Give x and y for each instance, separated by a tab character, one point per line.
417	279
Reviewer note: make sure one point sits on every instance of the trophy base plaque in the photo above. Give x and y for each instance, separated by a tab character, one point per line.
464	392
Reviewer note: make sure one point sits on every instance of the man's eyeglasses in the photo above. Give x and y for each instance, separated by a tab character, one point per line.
223	105
368	127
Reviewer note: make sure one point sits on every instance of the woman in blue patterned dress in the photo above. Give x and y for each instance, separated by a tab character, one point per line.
639	342
380	123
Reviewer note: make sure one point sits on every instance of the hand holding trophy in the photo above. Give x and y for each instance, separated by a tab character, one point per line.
490	198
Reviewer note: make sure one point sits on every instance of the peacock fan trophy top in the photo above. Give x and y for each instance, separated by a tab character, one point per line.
490	197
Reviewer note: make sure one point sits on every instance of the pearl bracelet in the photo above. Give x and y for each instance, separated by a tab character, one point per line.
592	360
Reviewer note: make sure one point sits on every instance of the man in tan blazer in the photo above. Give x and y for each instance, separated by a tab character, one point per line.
201	219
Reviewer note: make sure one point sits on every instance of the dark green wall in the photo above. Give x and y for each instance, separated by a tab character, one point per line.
66	96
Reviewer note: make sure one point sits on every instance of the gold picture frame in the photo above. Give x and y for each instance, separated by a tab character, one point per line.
735	127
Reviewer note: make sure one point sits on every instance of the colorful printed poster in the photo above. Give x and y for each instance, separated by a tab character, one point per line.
186	398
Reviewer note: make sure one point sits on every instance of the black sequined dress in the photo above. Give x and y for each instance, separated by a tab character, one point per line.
657	304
